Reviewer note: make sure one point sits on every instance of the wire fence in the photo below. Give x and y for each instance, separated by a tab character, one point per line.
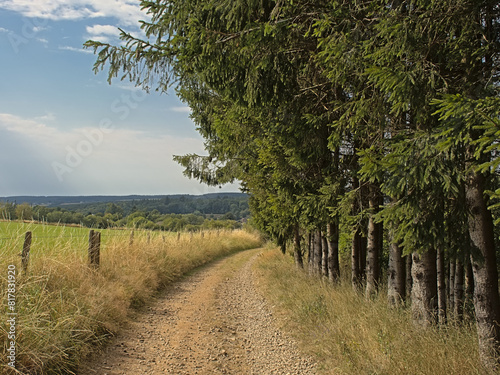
93	237
58	236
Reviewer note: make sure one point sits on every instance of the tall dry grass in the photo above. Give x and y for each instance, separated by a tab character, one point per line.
349	334
65	308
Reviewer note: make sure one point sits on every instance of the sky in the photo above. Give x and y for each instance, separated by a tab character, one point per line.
63	129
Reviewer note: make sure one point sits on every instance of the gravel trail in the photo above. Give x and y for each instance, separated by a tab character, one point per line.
211	322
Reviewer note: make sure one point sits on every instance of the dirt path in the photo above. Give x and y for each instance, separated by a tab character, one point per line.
212	322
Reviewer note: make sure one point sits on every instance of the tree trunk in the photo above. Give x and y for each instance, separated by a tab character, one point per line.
409	279
332	231
310	252
373	249
469	289
316	254
324	252
318	244
484	267
424	290
441	286
282	244
355	261
297	251
459	291
451	286
395	275
362	256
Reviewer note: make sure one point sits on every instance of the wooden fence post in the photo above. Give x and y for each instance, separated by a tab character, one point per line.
94	248
131	240
202	234
149	237
190	236
25	255
178	236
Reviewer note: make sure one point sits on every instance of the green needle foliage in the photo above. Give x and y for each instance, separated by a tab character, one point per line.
360	115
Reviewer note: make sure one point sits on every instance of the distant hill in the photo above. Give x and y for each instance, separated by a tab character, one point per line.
59	201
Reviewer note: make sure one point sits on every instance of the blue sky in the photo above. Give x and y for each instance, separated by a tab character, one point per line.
65	130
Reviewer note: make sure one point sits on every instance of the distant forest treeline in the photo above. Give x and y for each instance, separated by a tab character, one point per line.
174	213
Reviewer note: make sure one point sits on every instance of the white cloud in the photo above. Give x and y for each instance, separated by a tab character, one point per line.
49	116
43	40
102	33
28	127
128	12
37	29
2	30
184	109
128	87
103	29
97	160
73	49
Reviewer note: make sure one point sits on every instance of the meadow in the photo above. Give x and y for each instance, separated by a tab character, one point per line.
66	310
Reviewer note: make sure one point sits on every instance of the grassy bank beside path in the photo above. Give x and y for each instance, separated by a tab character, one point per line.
64	308
348	334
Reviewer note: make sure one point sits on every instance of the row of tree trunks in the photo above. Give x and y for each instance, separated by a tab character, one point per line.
452	295
323	258
439	287
315	253
436	295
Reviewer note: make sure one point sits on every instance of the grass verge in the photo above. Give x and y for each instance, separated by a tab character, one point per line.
64	308
348	334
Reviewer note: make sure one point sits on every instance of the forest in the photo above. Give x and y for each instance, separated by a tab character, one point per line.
372	120
172	213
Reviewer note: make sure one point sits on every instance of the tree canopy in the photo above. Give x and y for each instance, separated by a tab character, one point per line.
340	114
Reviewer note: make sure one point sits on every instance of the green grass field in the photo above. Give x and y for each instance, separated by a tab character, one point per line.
65	308
59	240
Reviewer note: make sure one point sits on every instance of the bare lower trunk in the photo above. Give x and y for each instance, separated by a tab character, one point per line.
459	290
469	289
310	252
332	230
372	259
324	258
451	286
362	257
373	248
283	248
297	251
315	254
395	276
355	262
409	279
441	286
424	291
318	246
484	267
